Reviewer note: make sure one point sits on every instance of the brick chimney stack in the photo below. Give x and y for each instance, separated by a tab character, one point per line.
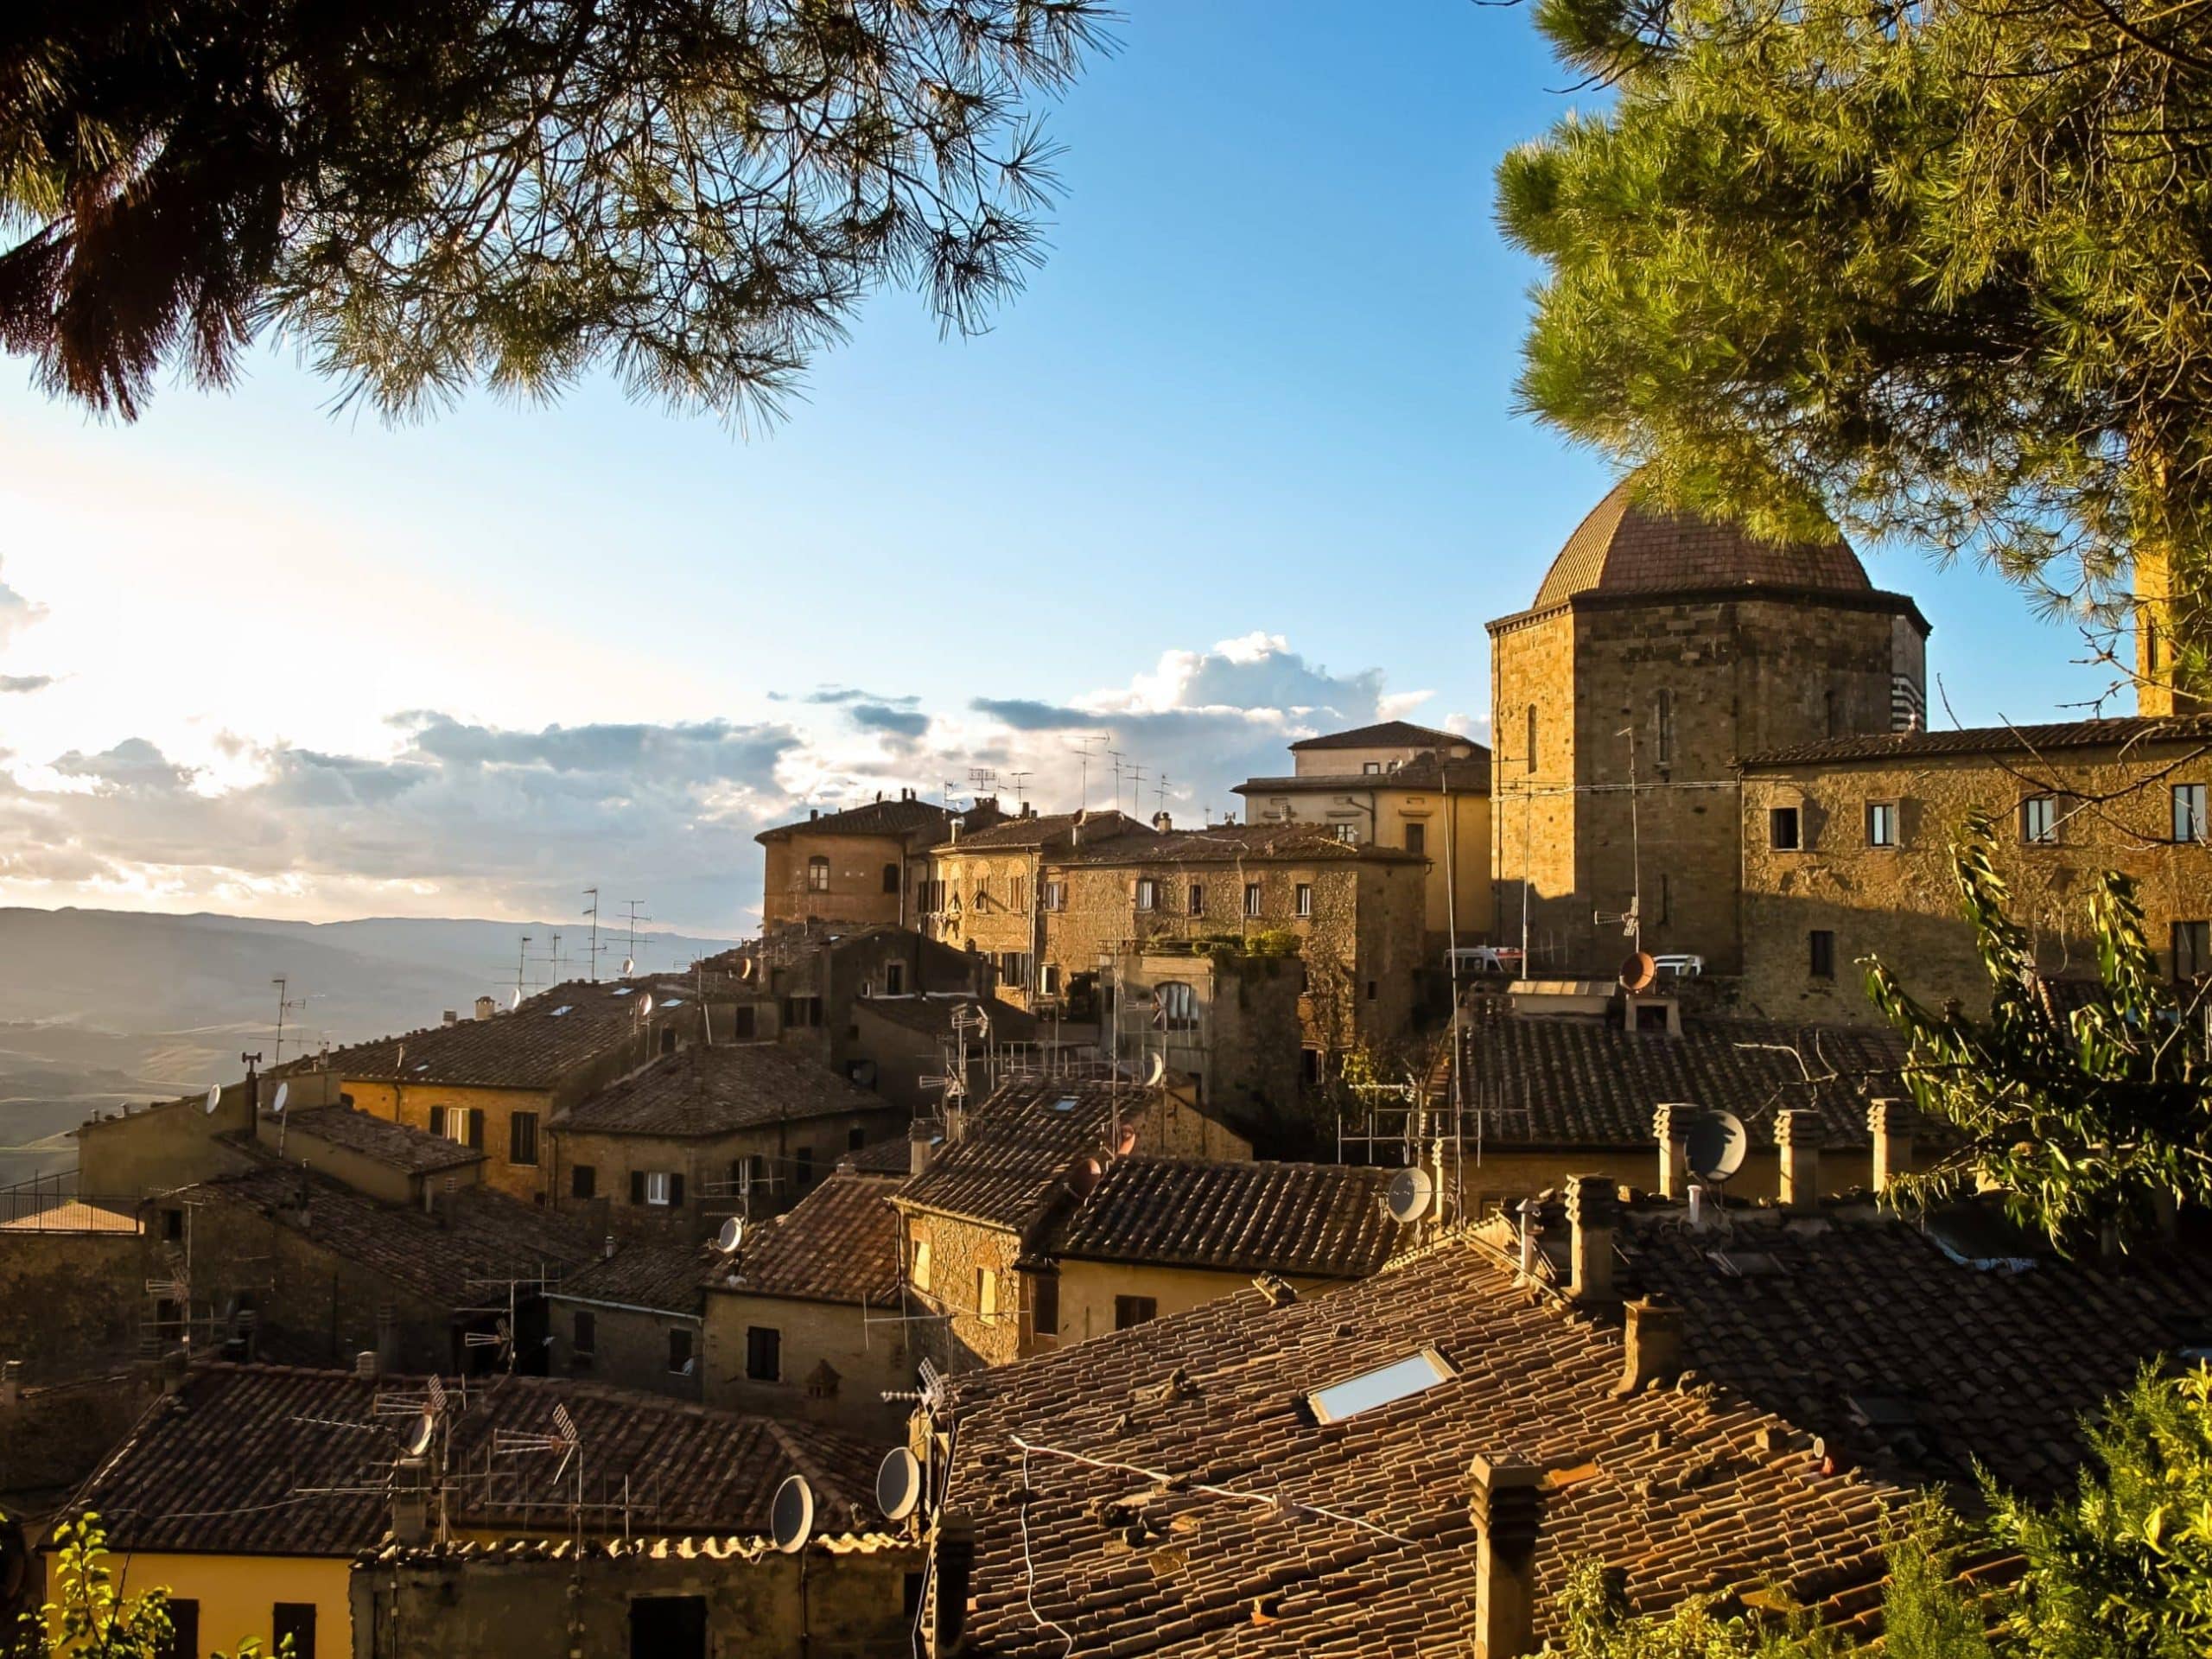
1652	1343
1671	1123
1797	1139
1506	1506
1592	1201
1891	1123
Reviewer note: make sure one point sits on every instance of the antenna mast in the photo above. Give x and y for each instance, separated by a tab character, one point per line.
592	954
1020	780
1083	747
282	1008
629	944
522	959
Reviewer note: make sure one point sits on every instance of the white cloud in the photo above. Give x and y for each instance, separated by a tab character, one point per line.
16	613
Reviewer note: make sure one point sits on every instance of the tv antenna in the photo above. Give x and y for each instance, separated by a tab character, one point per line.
629	939
1137	790
283	1007
522	959
982	781
1160	793
1085	746
591	952
1019	781
1116	756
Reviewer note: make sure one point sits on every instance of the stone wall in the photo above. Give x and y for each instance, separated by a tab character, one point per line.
1900	903
827	1602
630	1348
73	1303
1243	1052
868	1357
1088	1290
856	893
52	1438
411	1103
959	1249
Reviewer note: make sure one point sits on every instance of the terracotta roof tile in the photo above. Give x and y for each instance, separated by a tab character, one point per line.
536	1046
1229	843
839	1244
394	1145
899	818
641	1273
1324	1219
1385	734
709	1090
1048	829
2132	731
932	1014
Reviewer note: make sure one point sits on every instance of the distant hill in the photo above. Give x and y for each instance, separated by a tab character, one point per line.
99	1007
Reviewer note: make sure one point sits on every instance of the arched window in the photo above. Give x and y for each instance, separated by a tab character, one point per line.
891	878
817	874
1532	738
1175	1005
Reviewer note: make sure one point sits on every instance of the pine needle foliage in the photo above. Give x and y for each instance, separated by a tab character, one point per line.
425	195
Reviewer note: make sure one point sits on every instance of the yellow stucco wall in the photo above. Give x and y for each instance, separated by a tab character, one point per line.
237	1593
410	1104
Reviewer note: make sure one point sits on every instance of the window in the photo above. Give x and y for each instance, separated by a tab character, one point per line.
474	1116
172	1225
987	1294
856	1139
817	874
1828	713
1881	824
1252	898
1175	1005
2188	812
585	1338
1197	899
919	1269
804	1158
1529	753
679	1351
1045	1306
668	1627
1662	722
2192	949
1666	899
1400	1380
583	1182
891	878
802	1012
1048	980
1782	828
1371	990
1306	899
1347	832
1309	1065
1823	953
1148	894
1056	895
744	1023
894	979
438	1121
982	891
522	1134
764	1353
2039	819
183	1639
293	1620
1417	838
1370	767
655	1186
1134	1310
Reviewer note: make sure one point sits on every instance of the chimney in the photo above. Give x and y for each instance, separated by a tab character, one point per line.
1671	1123
175	1366
452	1016
387	1338
607	1249
919	1149
1891	1127
1652	1343
1163	822
1591	1201
1505	1506
485	1008
955	832
1797	1140
11	1383
411	1502
812	813
955	1122
365	1363
952	1549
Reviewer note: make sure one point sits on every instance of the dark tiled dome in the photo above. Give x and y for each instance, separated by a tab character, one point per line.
1624	547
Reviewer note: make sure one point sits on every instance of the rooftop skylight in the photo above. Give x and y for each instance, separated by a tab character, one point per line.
1400	1379
564	1008
1067	1105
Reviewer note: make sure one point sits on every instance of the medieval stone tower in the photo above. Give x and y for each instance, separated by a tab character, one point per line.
1689	645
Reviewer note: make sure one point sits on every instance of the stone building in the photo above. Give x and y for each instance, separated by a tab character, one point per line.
1845	853
989	893
737	1128
495	1083
631	1319
1675	647
860	865
1398	784
805	1321
251	1491
1227	1018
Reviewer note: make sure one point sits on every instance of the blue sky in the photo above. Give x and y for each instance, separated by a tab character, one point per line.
1261	393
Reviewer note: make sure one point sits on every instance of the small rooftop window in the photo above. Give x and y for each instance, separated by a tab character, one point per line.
1067	1105
1400	1380
671	1002
564	1008
622	990
423	1067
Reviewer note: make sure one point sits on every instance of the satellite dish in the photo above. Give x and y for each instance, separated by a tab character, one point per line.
215	1099
645	1008
899	1483
1155	1072
514	997
1412	1189
1716	1148
745	967
418	1438
284	1094
1638	971
791	1520
1084	1176
732	1236
629	966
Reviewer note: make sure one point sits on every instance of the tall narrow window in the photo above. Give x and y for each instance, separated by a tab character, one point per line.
894	979
764	1353
1305	899
1881	824
817	874
586	1339
1823	954
2039	819
679	1351
1148	894
2192	949
522	1137
1829	713
1197	897
1531	755
891	878
2188	812
1417	838
1251	898
1783	831
1663	721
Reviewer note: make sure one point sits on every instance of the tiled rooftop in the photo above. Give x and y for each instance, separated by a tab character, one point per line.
394	1145
226	1464
1048	829
839	1244
536	1046
486	1234
898	817
1326	1220
1230	843
2133	732
1623	546
1385	734
702	1091
999	1183
1423	772
1355	1538
932	1013
1578	1084
641	1273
